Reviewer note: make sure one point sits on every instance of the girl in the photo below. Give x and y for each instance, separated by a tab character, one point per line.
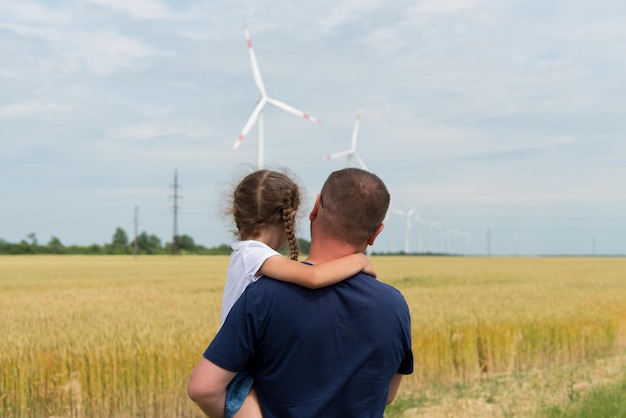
264	206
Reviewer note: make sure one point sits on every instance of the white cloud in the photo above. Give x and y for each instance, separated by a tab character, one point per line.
497	200
138	9
347	11
385	40
103	52
31	12
26	30
445	6
25	109
132	192
149	131
169	154
415	135
106	53
188	155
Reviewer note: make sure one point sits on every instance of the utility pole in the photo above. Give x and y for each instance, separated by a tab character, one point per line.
175	248
488	242
136	243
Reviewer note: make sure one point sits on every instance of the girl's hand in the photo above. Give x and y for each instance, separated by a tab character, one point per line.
368	267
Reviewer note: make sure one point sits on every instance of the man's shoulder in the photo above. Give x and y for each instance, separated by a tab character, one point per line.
269	284
374	282
360	282
384	288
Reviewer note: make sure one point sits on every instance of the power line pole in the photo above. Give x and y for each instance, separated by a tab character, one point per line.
175	248
488	242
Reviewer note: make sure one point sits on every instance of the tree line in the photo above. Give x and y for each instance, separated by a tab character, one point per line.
144	244
120	244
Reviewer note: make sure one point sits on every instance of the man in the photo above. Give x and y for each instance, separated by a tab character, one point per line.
339	351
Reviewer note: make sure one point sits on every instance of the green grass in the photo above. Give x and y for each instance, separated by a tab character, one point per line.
608	401
397	408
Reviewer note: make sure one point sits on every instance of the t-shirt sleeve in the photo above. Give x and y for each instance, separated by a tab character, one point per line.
233	347
406	366
254	257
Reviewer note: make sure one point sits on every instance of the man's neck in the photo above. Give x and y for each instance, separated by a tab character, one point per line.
327	250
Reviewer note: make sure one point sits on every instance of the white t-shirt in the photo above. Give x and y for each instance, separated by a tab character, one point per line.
245	261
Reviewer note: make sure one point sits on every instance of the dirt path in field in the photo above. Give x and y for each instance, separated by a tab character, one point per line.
522	395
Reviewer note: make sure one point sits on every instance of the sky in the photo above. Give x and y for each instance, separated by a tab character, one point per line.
500	123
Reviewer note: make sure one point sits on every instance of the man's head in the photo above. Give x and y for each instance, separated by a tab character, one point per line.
351	207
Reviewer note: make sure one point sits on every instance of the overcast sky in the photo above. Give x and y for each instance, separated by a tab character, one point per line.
500	122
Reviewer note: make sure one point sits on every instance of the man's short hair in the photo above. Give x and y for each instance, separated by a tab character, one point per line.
354	203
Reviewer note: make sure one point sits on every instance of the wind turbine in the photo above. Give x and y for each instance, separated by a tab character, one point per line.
351	153
419	233
388	221
432	247
257	113
389	227
407	226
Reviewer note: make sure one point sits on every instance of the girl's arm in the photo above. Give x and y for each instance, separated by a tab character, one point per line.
318	275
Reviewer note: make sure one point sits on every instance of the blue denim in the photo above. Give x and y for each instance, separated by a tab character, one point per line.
236	393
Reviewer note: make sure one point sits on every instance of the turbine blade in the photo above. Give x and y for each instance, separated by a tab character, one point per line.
337	155
290	109
361	162
250	123
256	73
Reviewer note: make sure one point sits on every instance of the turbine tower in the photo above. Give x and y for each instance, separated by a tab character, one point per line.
407	226
351	153
257	113
419	238
389	227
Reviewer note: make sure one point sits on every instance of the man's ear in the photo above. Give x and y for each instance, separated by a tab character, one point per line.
371	239
316	207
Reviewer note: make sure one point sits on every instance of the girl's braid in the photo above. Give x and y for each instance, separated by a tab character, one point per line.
288	221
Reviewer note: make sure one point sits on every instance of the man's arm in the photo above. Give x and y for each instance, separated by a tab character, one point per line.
207	387
393	387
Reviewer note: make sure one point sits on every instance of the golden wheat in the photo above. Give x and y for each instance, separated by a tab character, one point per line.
117	336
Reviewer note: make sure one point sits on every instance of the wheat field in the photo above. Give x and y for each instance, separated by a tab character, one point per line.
105	336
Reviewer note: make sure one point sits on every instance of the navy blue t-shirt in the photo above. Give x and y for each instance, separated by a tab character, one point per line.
330	352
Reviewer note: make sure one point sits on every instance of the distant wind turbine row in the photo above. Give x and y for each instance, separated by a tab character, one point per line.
440	238
407	225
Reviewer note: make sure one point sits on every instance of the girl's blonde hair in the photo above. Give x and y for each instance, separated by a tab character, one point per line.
266	197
